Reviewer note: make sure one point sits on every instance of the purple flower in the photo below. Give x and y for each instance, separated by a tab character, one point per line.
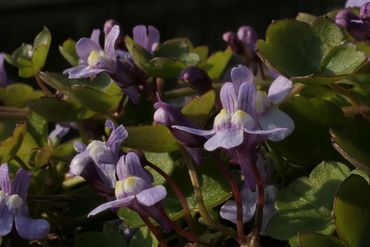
355	3
97	162
134	190
13	206
4	81
169	116
147	37
243	42
58	133
247	113
94	59
353	24
249	201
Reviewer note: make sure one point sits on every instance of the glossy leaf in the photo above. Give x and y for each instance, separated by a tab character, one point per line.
313	239
306	204
165	161
199	109
18	94
217	63
68	51
143	238
352	212
10	146
156	138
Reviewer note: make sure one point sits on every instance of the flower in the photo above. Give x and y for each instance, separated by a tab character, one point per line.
13	206
134	190
249	201
247	113
147	37
4	81
355	3
243	42
97	162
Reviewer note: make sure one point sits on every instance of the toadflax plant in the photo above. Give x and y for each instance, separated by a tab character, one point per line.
142	141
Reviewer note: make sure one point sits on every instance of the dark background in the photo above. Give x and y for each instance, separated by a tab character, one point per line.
203	21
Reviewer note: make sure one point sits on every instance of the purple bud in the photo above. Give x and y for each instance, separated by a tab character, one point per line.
365	13
243	43
353	24
232	40
197	79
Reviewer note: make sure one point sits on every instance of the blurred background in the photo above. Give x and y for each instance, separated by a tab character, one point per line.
203	21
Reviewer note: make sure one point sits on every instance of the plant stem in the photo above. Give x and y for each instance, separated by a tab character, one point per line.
43	87
83	133
199	198
237	197
186	91
16	115
21	162
154	230
260	203
120	106
346	93
296	90
180	195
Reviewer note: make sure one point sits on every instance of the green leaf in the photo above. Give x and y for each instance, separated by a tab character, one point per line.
330	34
199	109
143	238
343	60
10	146
292	48
56	110
217	63
41	47
94	99
173	48
202	52
68	51
99	239
313	119
162	160
166	67
156	138
38	127
313	239
18	94
304	17
352	142
306	204
352	212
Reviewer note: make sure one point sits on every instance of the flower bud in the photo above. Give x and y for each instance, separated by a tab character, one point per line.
248	39
197	79
365	13
353	24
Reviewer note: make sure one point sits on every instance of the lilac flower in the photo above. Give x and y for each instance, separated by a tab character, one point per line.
58	133
4	81
97	162
147	37
134	190
94	60
355	3
13	206
169	116
243	42
249	201
247	112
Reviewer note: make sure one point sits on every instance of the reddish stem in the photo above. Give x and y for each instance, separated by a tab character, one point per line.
237	197
260	202
154	230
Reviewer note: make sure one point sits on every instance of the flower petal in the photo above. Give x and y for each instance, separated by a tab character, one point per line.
140	35
193	131
279	89
31	229
95	35
130	165
79	146
151	196
228	97
21	182
3	77
107	173
355	3
85	46
274	119
239	75
116	138
112	204
79	163
226	138
153	38
269	210
6	220
4	178
247	98
82	71
110	42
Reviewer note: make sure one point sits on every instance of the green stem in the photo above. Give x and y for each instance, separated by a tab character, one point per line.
21	162
43	87
200	201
